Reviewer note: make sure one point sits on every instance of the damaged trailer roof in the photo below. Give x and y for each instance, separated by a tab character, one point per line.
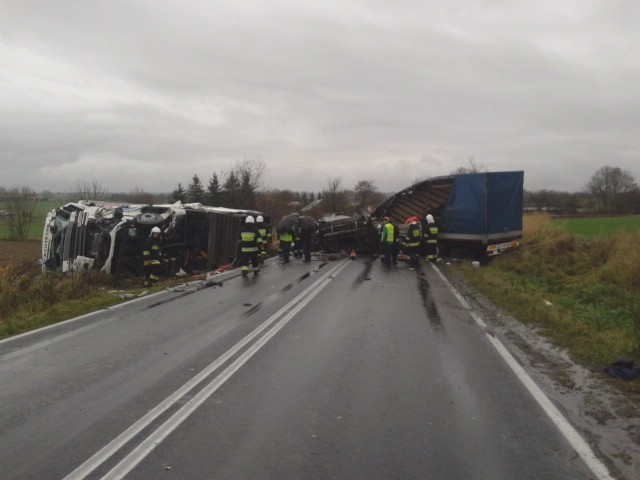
109	237
470	209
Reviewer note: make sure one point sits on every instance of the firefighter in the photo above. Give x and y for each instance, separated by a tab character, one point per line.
152	257
285	238
297	241
305	243
249	247
413	240
387	241
431	238
265	236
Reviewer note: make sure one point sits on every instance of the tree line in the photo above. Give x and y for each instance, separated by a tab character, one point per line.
611	190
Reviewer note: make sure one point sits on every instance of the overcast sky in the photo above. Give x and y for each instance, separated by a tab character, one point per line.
147	93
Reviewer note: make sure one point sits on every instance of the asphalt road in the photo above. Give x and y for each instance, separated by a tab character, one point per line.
343	370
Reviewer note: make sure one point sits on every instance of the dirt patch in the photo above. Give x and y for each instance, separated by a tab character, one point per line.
607	417
18	251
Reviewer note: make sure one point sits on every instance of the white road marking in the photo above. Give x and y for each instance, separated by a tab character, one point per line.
153	440
571	434
289	310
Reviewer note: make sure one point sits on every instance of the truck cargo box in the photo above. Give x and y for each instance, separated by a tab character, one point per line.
477	214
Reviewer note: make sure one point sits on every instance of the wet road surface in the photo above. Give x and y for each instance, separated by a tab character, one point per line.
342	370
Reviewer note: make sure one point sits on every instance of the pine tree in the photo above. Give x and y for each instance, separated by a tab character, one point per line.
232	191
195	192
214	192
179	194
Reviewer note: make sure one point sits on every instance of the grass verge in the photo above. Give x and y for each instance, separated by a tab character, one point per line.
30	299
584	293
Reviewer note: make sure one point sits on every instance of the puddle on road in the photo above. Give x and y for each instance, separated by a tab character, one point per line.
427	301
286	288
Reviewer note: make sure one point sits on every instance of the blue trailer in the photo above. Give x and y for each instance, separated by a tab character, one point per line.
478	214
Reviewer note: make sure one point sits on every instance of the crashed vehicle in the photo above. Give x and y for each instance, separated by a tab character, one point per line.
478	214
109	237
340	233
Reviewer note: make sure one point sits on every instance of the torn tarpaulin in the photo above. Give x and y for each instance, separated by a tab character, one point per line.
623	369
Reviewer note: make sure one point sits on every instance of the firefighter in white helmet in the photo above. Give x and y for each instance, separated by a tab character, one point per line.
152	256
265	237
431	238
249	246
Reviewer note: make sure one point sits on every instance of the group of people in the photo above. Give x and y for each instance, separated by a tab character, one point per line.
254	238
419	239
295	240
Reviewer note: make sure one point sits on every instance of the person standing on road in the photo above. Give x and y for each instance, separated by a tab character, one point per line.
387	241
431	239
297	241
285	238
413	240
305	241
152	257
265	237
249	246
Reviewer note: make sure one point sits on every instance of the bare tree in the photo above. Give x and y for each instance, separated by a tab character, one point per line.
607	183
138	195
20	203
365	192
474	167
334	196
85	190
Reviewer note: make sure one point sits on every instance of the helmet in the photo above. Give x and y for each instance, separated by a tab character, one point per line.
259	219
430	219
249	219
385	219
156	230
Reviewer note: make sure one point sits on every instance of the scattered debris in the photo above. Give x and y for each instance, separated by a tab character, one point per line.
623	369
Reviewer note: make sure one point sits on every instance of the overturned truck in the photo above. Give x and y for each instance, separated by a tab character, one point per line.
108	237
478	214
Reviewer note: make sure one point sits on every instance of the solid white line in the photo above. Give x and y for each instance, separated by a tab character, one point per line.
117	443
568	431
153	440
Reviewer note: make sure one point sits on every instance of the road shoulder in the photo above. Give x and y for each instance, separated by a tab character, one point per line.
607	419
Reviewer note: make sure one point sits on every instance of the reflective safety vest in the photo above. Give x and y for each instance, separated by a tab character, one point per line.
387	233
151	251
286	237
432	234
249	239
414	236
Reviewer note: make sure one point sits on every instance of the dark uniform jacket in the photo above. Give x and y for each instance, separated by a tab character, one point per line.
249	238
151	253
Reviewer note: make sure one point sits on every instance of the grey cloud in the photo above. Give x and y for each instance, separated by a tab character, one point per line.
379	90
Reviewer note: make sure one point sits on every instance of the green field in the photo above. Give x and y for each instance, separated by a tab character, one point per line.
37	224
599	226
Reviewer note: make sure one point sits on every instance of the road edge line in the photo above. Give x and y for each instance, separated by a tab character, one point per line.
574	438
